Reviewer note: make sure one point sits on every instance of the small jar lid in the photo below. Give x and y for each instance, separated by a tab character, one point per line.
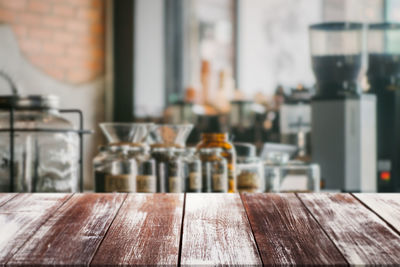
210	150
115	148
245	149
191	149
163	149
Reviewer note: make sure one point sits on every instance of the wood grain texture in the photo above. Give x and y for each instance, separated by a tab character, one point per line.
387	206
286	233
216	231
146	231
22	216
360	235
5	197
72	235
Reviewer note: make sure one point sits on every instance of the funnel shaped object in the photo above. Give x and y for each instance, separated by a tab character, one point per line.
171	134
132	133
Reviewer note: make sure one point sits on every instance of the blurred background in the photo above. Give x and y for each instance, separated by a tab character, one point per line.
237	66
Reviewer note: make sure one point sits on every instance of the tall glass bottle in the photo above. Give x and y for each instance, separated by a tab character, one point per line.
220	140
214	170
193	179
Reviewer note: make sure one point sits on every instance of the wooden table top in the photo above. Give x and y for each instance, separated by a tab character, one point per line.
193	229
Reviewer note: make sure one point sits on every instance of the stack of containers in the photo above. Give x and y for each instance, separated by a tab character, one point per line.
124	164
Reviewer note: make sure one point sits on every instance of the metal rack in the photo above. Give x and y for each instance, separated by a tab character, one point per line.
13	130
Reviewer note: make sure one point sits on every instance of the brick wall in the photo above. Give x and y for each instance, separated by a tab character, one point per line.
63	38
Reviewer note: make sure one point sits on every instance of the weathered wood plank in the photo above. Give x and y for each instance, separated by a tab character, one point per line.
146	231
216	231
72	235
4	197
22	216
361	236
286	233
387	206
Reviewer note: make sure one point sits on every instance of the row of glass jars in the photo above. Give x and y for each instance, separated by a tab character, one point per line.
164	169
214	166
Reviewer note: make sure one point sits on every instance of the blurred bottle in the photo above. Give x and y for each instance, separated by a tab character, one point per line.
224	92
205	80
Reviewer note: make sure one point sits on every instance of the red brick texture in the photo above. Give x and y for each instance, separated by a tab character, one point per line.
63	38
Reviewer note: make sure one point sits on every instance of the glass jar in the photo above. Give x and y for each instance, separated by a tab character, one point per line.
169	169
146	180
283	175
220	140
297	176
250	169
116	169
193	178
46	146
214	170
102	165
250	175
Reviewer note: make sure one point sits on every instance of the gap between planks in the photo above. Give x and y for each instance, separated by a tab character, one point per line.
181	232
251	227
320	226
37	229
377	214
361	235
116	214
7	200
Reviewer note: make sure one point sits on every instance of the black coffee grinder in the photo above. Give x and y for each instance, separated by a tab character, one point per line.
343	126
384	79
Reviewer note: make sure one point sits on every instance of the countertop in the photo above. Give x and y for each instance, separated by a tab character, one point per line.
194	229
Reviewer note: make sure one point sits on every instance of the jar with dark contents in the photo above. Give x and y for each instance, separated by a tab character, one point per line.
146	180
220	140
117	171
160	156
101	166
175	183
192	167
169	169
214	170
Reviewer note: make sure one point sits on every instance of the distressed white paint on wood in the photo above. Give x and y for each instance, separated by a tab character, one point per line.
216	231
360	235
72	235
22	216
385	205
4	197
286	233
146	231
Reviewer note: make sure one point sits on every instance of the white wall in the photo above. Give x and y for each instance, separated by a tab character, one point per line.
149	57
273	38
273	43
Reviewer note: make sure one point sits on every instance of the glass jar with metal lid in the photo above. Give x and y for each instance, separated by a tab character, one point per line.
102	166
284	175
214	170
169	169
193	178
146	180
220	140
250	169
116	171
40	150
